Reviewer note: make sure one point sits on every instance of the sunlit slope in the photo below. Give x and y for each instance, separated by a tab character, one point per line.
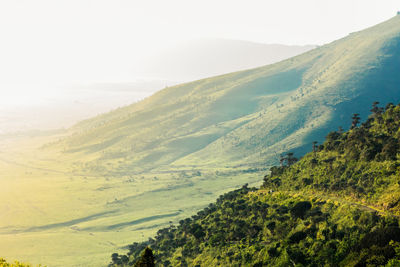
344	78
244	118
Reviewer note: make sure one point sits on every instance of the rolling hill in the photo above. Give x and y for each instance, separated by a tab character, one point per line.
123	175
244	119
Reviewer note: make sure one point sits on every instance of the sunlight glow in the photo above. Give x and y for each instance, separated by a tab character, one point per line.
45	43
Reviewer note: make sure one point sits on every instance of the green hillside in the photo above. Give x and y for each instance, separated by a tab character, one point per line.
361	164
243	119
337	206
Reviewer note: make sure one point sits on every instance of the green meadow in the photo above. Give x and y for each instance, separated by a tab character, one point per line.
60	217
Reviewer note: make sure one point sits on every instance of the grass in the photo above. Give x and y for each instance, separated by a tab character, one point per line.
59	219
245	118
76	197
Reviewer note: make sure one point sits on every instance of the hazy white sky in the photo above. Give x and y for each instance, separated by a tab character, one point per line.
47	42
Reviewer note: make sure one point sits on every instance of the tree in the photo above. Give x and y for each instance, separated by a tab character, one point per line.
147	259
314	147
355	120
115	259
282	160
300	209
375	109
389	106
290	159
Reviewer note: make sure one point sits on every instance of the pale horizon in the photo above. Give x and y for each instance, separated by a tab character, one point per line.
50	42
50	48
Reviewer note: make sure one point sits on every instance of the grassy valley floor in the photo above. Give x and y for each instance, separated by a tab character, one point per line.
57	217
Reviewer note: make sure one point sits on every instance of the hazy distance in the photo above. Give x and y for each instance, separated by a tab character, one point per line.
204	58
51	107
51	52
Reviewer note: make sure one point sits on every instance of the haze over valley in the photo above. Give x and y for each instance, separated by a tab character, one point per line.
50	107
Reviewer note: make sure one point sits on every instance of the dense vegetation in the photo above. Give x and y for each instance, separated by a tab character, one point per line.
4	263
254	227
361	164
328	209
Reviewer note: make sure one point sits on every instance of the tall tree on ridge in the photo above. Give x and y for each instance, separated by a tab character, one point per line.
355	120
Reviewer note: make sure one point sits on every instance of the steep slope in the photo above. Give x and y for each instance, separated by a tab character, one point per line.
337	206
243	119
361	164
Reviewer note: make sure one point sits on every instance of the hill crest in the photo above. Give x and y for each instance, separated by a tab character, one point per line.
244	118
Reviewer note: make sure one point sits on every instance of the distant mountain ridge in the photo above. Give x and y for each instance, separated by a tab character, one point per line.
203	58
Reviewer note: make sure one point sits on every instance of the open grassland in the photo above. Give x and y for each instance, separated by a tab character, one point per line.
55	216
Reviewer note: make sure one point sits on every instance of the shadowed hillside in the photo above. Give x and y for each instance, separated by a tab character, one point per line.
245	118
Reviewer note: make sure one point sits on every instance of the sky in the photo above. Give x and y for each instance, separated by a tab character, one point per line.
53	43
